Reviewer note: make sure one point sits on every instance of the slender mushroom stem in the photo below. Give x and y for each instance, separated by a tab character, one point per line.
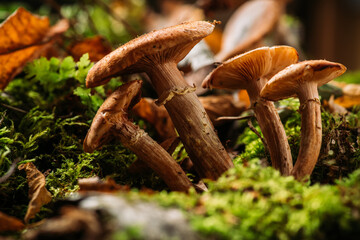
303	79
153	154
272	128
191	121
111	121
311	131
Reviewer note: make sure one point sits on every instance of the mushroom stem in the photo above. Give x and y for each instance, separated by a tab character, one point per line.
190	119
311	131
139	142
272	128
275	136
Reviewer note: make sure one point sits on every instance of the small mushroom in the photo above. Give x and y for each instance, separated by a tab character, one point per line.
251	71
303	79
157	53
111	121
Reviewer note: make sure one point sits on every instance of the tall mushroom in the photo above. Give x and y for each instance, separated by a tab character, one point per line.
251	71
303	79
157	53
111	121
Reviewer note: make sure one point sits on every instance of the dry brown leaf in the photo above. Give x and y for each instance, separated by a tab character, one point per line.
96	46
9	223
98	185
23	37
157	116
38	194
223	105
351	95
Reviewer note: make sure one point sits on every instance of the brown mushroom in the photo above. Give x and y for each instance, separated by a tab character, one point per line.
251	71
303	79
157	53
111	121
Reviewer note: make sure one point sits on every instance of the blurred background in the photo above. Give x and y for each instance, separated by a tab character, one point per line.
323	29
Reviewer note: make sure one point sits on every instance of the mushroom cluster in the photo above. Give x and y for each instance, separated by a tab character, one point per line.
157	54
271	74
267	74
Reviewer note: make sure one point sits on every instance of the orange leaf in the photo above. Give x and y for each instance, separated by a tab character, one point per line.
96	46
223	105
38	194
157	116
9	223
23	37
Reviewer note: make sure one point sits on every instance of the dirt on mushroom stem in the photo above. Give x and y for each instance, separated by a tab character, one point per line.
191	121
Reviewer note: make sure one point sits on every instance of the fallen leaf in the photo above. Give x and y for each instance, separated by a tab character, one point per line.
24	37
156	116
96	46
222	105
9	223
98	185
333	107
38	194
351	94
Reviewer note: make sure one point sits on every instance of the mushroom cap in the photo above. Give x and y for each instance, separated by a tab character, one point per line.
113	110
287	82
237	72
167	44
248	25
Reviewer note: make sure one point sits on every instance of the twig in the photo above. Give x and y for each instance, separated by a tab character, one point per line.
233	118
10	171
13	108
252	128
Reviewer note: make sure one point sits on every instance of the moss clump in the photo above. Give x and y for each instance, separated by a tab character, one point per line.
44	117
257	203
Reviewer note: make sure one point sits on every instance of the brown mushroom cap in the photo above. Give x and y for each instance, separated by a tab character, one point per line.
238	71
169	43
113	109
286	83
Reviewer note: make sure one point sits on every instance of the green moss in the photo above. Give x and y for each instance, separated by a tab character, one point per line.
257	203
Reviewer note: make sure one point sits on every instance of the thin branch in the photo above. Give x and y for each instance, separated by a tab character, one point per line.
10	171
13	108
252	128
233	118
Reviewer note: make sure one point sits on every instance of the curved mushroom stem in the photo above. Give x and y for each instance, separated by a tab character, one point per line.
311	131
272	129
191	121
157	158
275	136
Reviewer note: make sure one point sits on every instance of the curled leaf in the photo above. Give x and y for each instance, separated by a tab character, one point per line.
24	37
157	116
38	194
